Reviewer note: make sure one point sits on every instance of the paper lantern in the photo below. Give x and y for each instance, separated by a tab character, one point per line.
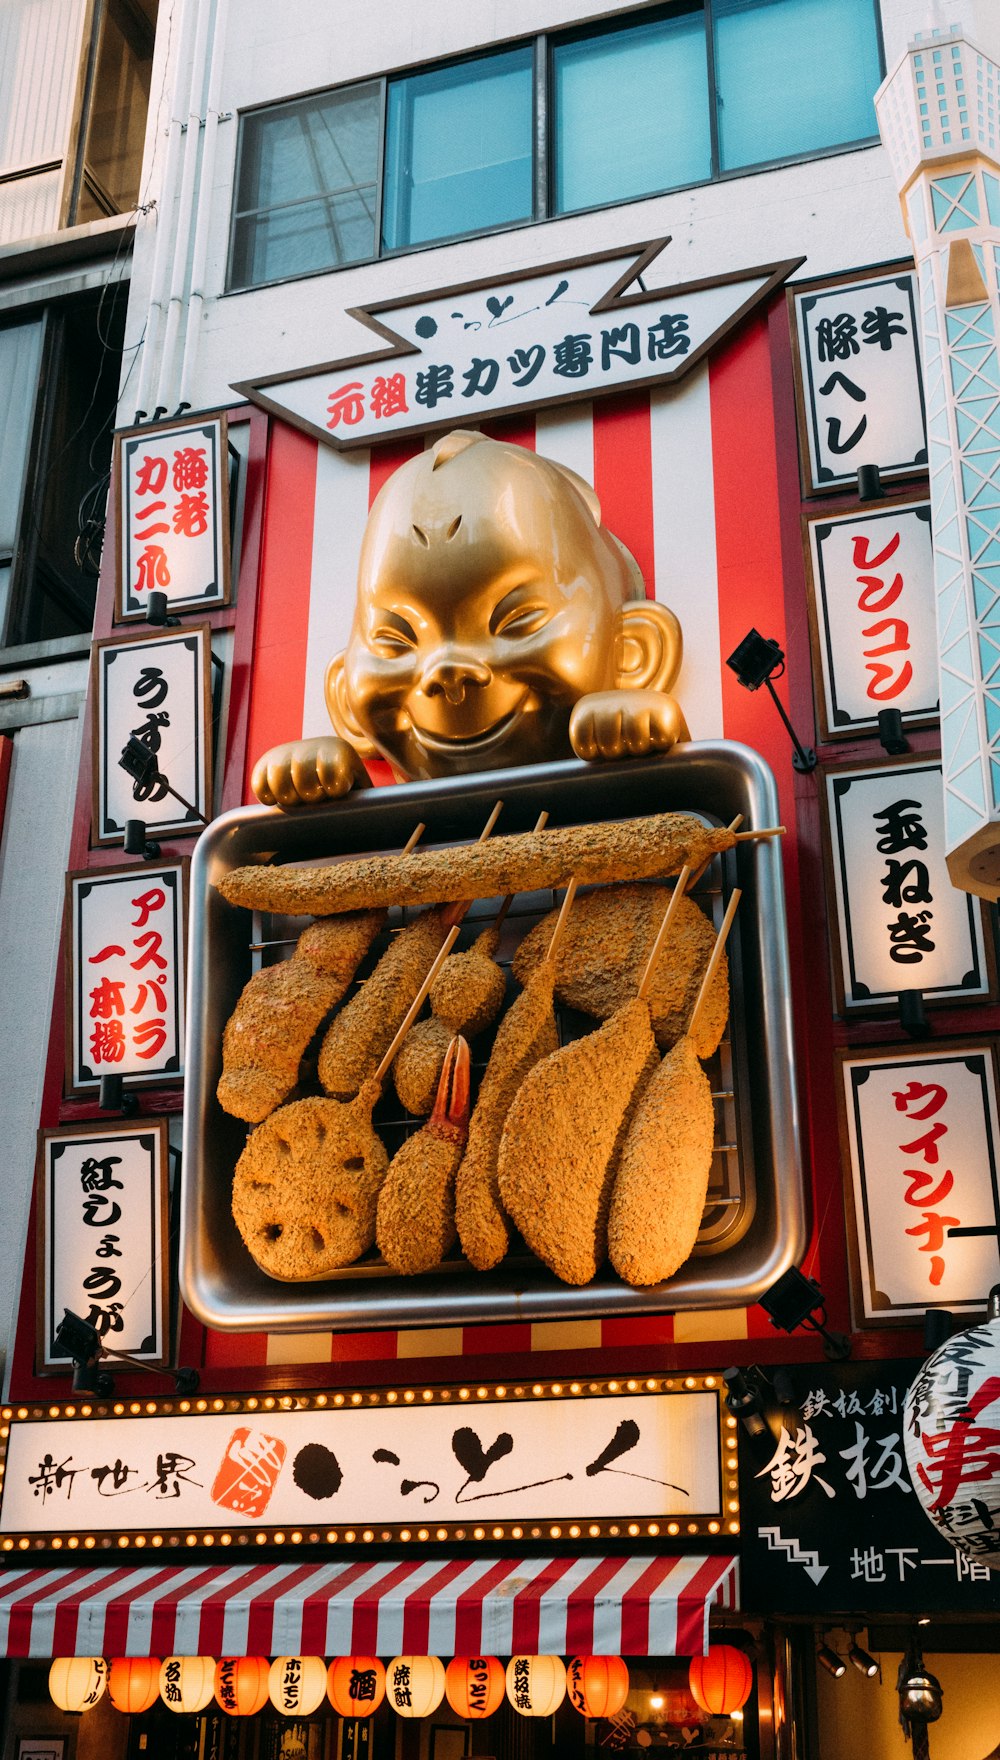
414	1685
355	1685
536	1685
597	1685
134	1683
296	1684
187	1682
474	1685
77	1682
951	1427
241	1684
721	1681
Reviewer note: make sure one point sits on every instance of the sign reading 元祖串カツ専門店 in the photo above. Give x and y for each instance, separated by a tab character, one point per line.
444	1458
541	336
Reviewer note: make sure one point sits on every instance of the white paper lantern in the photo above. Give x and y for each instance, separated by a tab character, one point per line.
77	1682
297	1684
187	1683
951	1431
536	1685
414	1685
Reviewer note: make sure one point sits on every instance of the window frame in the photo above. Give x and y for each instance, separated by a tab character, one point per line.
543	144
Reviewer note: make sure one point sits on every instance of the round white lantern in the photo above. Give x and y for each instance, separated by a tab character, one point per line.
77	1682
536	1685
414	1685
951	1429
297	1684
187	1683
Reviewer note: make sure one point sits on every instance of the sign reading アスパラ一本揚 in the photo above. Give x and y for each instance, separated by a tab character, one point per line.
393	1461
173	516
156	689
921	1139
488	348
125	973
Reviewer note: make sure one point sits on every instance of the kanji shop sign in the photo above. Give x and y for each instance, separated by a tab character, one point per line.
921	1139
508	343
872	606
444	1457
830	1517
102	1230
901	925
173	519
156	689
861	391
125	979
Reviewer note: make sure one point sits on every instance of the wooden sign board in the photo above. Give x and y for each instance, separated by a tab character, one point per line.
173	516
125	948
157	689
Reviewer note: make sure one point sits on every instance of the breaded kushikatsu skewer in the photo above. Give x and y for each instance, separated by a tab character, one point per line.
662	1179
415	1224
526	1034
560	1144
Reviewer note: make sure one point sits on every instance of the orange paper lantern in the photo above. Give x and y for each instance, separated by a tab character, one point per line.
241	1684
134	1683
474	1685
355	1685
721	1681
597	1685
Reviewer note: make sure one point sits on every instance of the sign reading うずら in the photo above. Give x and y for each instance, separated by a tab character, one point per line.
398	1463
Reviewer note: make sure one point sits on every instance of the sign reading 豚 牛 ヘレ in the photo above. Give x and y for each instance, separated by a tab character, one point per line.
394	1461
540	336
125	974
173	519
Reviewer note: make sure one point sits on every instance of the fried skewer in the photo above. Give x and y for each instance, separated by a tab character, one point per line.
526	1034
415	1223
662	1179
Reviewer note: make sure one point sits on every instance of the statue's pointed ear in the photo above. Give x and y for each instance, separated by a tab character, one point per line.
649	648
339	709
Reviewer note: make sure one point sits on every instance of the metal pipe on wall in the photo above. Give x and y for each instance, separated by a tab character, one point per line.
185	207
199	254
165	199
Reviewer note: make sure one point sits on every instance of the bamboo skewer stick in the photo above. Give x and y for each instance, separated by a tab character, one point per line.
414	838
696	876
416	1005
500	918
662	932
766	831
457	913
713	964
550	957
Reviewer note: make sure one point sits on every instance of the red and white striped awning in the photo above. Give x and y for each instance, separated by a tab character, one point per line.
445	1607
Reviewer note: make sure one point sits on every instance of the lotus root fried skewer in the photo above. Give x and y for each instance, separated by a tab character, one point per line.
282	1006
416	1208
662	1178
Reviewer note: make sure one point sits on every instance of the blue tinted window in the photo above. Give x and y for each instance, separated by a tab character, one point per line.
793	76
458	151
631	111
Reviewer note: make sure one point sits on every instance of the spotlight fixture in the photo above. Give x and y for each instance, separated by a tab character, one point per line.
833	1663
140	763
157	611
870	483
759	660
744	1402
938	1324
114	1097
78	1340
794	1301
912	1014
136	843
864	1663
890	732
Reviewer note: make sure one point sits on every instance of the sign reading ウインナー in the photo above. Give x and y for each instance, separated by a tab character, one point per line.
388	1462
125	973
173	523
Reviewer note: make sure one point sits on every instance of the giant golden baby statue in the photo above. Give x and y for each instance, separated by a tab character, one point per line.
497	622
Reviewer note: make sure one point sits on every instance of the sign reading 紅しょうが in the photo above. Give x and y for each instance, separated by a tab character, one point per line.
125	974
872	607
921	1143
862	399
173	522
156	689
650	1457
101	1216
900	924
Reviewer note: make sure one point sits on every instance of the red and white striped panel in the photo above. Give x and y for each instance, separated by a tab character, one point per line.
454	1607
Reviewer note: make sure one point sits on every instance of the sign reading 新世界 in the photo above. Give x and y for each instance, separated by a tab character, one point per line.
173	516
900	923
388	1462
872	606
830	1520
493	347
125	974
157	690
862	390
921	1139
102	1226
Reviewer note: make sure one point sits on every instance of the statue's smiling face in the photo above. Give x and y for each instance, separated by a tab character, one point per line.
489	602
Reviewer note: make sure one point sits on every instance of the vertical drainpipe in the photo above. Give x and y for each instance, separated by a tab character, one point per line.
196	299
179	77
187	198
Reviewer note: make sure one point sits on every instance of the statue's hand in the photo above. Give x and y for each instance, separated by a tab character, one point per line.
307	771
625	724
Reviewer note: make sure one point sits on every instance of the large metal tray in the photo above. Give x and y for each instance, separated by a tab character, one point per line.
754	1226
